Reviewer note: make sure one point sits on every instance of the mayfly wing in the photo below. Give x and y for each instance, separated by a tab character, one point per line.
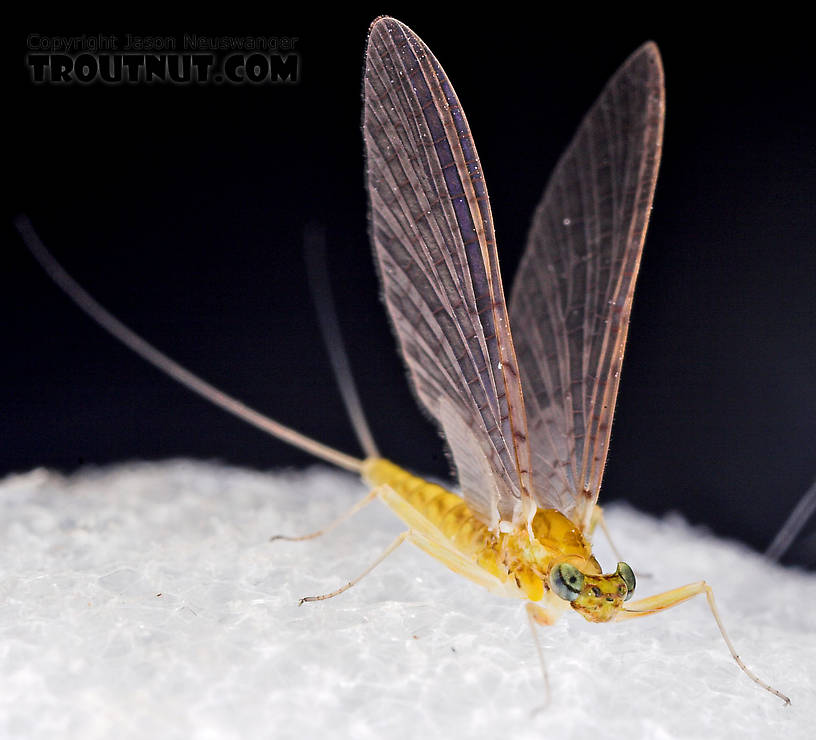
572	296
433	236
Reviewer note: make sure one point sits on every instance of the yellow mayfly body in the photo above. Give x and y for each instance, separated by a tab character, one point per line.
527	416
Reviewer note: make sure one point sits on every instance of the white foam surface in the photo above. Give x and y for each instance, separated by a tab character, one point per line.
145	600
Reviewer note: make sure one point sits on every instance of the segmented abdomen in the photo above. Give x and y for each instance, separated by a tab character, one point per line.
444	510
512	557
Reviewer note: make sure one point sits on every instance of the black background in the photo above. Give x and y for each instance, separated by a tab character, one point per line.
182	210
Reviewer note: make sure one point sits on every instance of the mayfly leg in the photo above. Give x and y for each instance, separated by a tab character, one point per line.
537	615
669	599
599	520
331	525
430	541
375	493
354	581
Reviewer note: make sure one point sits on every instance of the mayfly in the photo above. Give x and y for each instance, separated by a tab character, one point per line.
527	416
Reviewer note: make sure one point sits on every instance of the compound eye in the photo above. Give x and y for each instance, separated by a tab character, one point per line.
628	575
566	581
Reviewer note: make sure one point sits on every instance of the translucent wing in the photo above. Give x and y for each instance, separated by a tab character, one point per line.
572	297
433	237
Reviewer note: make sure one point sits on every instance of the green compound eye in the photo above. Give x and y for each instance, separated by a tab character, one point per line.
628	575
566	581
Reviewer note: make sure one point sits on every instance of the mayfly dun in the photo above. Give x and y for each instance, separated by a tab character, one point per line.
526	416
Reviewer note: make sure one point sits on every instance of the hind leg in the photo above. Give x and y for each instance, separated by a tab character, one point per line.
331	525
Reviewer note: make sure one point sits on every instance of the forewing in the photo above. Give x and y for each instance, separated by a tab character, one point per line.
572	296
433	237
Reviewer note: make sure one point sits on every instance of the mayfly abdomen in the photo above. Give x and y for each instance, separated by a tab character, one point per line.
440	514
447	512
509	556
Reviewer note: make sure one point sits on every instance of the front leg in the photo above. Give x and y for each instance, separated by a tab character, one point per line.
669	599
537	614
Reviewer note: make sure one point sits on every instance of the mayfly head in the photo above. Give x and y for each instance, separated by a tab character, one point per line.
597	598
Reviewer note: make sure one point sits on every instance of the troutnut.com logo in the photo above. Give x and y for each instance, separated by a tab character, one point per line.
188	59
